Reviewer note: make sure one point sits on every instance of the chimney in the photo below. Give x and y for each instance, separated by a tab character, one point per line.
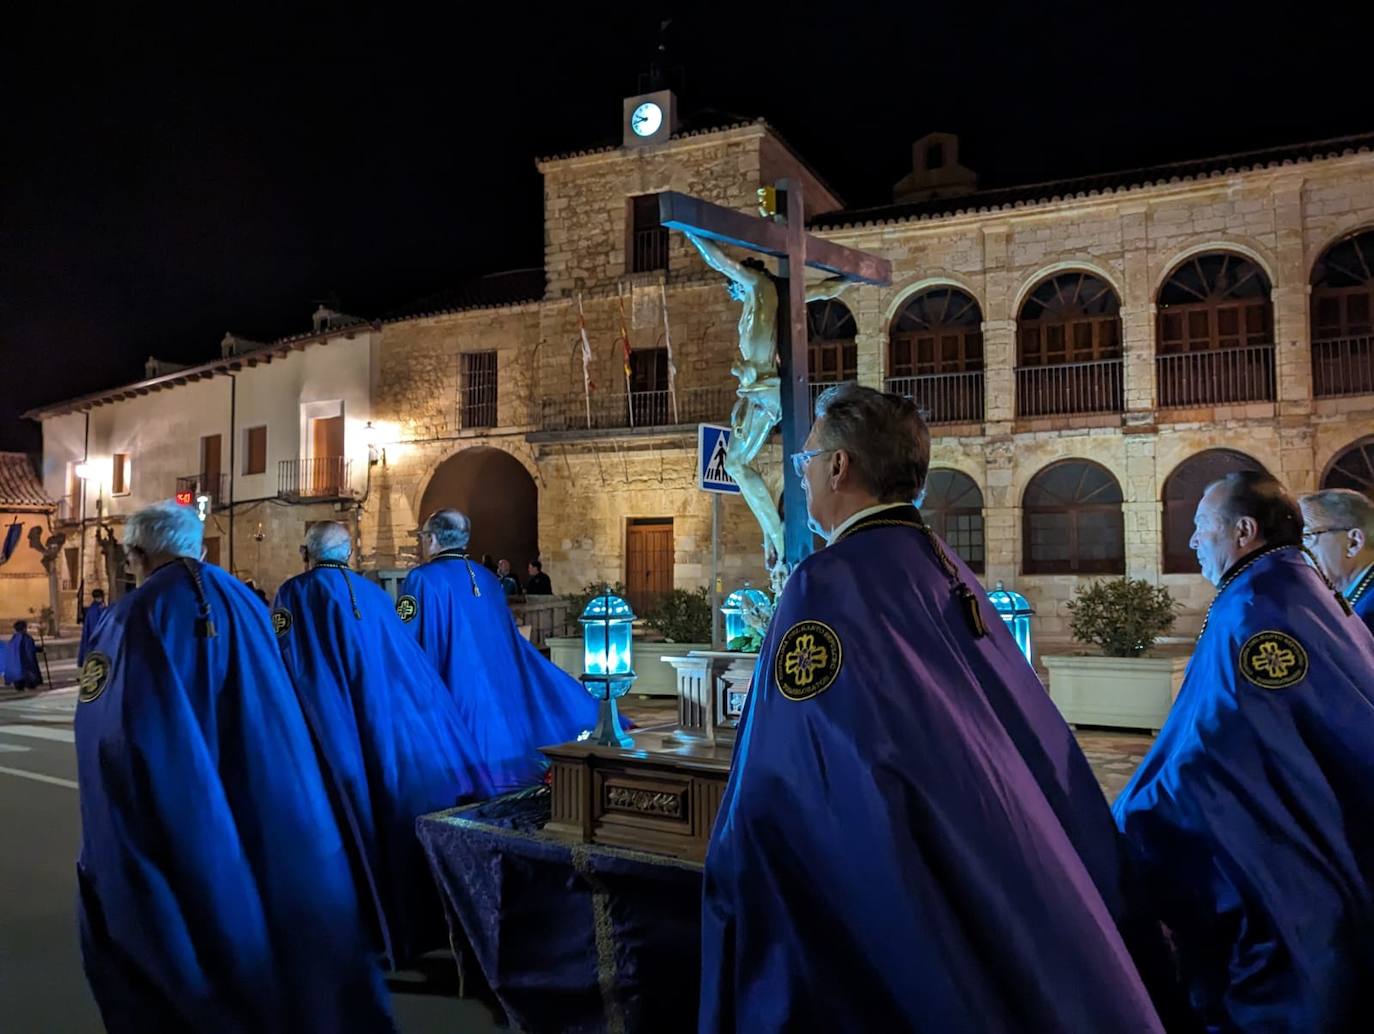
935	171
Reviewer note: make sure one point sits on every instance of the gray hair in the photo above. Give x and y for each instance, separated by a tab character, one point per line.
1345	506
887	441
451	528
328	541
166	527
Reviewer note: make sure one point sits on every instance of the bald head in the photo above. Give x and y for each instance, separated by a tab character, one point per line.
328	542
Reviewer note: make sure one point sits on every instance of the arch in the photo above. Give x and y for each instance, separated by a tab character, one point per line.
1182	491
935	354
952	504
497	493
1072	522
919	284
832	354
1249	248
1342	316
1214	301
1069	266
1352	467
1072	316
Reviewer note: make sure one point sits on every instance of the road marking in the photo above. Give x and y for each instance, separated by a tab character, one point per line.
39	777
14	748
40	732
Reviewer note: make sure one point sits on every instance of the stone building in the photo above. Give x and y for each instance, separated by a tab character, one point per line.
1090	353
26	523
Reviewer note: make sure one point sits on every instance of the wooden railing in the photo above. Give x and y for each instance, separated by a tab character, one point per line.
1216	378
944	398
1343	366
637	409
325	478
1068	388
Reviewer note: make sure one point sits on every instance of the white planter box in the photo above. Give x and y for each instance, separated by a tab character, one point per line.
655	678
1123	692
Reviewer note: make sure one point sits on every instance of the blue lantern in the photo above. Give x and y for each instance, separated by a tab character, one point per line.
732	610
1016	612
607	635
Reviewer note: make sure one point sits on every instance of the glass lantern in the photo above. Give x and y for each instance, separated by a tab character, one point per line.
732	610
1016	611
607	635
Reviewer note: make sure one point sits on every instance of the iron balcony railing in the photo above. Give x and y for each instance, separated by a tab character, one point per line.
1343	366
635	410
1216	378
1069	388
216	486
817	387
649	250
326	478
944	398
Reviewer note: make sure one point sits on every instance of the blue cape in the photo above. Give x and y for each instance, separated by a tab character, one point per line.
90	621
512	698
918	844
21	660
215	889
1253	814
390	734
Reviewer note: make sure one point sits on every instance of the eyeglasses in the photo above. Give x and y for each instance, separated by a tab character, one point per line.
801	459
1308	537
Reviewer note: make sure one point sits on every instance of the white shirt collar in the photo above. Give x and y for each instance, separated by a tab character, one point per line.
853	518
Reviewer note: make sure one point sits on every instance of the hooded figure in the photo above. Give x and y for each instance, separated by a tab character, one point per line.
90	621
215	887
21	659
389	731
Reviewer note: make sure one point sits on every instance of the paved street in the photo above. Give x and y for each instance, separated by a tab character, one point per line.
42	990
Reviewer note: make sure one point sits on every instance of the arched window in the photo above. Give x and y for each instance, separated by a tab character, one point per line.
832	355
1068	346
1183	491
1353	467
935	355
953	507
1343	317
1071	521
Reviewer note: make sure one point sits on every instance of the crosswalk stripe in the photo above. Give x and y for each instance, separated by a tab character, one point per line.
14	748
40	732
70	784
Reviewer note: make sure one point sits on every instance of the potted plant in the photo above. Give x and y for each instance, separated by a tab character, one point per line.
1120	685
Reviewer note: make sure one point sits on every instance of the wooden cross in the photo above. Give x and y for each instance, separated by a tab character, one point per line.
787	240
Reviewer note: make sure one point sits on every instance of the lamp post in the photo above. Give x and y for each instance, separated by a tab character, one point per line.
1016	611
607	645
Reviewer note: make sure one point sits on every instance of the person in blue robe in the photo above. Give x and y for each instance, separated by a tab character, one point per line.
1252	816
21	659
215	891
511	697
910	838
389	731
1338	533
90	621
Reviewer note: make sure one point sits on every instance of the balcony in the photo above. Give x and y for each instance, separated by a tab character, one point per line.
1069	389
1343	366
216	486
648	250
944	398
1221	377
638	409
817	387
324	478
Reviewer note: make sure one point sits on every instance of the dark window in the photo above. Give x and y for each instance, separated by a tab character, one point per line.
832	355
935	156
650	404
648	238
1183	491
1070	318
120	477
1353	468
1072	522
953	507
938	331
1343	317
255	450
479	389
1212	302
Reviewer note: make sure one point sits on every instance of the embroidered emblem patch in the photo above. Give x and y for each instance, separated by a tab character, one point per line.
807	661
407	607
281	621
1273	660
95	673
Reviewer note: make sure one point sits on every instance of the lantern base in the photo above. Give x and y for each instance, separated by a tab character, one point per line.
609	732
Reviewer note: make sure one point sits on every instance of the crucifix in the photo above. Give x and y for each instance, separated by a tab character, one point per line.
781	301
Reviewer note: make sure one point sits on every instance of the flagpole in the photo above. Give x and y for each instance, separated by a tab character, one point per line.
668	341
625	345
586	359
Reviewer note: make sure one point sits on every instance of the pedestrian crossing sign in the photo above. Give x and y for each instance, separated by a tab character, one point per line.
712	442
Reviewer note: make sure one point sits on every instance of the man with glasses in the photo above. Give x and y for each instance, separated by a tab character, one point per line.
1338	530
910	838
1252	818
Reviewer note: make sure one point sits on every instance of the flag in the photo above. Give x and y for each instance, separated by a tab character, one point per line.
12	534
624	337
588	385
668	343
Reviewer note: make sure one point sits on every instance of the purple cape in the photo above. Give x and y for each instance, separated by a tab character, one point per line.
920	845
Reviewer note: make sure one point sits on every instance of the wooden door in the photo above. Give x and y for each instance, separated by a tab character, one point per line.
210	466
648	561
326	456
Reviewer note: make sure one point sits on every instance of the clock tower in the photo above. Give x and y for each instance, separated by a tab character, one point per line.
649	118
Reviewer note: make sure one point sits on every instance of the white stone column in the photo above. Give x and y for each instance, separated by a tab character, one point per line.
1137	319
999	334
1292	327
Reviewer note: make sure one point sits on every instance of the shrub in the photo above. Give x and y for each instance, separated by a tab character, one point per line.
682	616
1124	616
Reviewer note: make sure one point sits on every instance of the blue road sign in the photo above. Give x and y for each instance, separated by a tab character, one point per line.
712	441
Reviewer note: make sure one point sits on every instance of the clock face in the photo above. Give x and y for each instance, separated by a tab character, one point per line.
646	119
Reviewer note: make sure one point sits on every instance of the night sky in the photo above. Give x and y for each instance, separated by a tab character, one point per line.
163	181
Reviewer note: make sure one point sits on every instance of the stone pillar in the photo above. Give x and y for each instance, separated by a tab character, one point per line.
1001	513
999	333
1137	319
1292	328
865	302
1142	509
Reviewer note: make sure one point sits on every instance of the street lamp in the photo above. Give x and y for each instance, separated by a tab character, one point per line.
607	638
1016	611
